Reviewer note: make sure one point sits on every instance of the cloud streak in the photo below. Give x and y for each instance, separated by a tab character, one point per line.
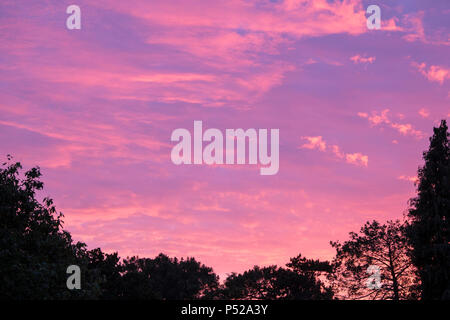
433	73
382	118
318	143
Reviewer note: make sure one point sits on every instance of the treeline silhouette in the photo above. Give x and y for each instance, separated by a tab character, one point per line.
411	257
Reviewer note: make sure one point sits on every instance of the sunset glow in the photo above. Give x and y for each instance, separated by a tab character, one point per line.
95	109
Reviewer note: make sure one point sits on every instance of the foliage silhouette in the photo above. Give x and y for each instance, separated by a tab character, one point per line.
109	271
381	245
167	278
429	227
276	283
34	250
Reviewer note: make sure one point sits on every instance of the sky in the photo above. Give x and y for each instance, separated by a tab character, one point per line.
95	109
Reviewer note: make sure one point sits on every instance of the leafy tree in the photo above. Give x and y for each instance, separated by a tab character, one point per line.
167	278
109	271
297	282
135	282
316	268
384	246
255	284
34	250
429	228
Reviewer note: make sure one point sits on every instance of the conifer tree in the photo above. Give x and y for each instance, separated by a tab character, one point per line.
429	226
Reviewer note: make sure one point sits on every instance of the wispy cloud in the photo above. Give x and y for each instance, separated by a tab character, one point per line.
380	118
318	143
433	73
414	27
357	59
314	143
409	178
424	113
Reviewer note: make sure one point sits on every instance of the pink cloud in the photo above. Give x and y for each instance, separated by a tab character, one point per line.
360	59
337	151
376	119
424	113
351	158
357	159
409	178
413	26
297	17
433	73
314	143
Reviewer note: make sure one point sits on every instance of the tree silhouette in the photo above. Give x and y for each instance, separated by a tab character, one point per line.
297	282
384	246
429	228
109	269
34	250
167	278
315	268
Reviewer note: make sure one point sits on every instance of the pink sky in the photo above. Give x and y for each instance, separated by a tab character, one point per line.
95	109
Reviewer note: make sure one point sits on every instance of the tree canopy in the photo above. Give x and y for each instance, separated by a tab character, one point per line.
35	251
429	228
382	246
